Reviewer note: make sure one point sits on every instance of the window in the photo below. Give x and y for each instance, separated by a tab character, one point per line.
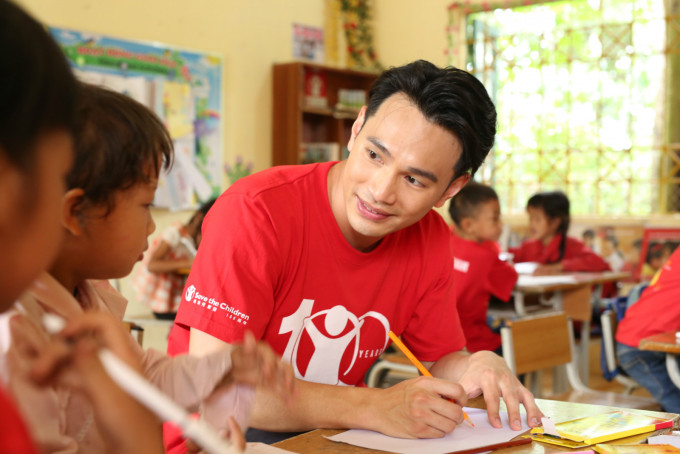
580	89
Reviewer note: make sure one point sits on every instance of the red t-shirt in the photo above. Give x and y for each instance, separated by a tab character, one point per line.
14	437
478	274
657	310
577	256
274	261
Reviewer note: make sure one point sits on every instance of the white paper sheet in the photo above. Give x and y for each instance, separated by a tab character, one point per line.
526	267
525	280
665	440
464	437
261	448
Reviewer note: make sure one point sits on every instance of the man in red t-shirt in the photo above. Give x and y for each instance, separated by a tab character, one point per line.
657	311
323	260
478	272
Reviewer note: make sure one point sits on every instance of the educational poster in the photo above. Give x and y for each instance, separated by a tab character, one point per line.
657	247
618	245
182	87
308	43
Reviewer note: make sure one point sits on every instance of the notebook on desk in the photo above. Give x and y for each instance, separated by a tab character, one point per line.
597	429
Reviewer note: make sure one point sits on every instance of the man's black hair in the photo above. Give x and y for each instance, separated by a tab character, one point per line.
448	97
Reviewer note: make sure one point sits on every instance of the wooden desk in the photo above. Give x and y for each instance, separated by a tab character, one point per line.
665	342
574	298
315	442
567	296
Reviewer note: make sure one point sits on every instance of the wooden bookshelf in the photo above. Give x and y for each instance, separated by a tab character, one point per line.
297	120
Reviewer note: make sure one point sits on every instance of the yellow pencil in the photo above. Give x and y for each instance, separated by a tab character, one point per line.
418	364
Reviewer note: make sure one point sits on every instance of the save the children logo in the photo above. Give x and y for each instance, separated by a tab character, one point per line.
189	293
324	347
212	305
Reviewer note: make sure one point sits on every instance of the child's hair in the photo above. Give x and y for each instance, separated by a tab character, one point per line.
467	201
555	205
198	218
38	89
589	233
655	252
203	209
116	141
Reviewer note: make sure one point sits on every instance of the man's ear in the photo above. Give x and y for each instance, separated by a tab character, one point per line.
455	186
356	127
72	211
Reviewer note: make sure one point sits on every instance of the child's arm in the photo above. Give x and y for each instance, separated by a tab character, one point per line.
160	263
255	363
577	257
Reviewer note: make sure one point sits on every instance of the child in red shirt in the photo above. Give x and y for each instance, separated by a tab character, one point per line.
549	244
478	272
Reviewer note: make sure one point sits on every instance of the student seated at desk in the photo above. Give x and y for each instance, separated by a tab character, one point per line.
106	220
549	244
158	281
37	121
657	311
478	272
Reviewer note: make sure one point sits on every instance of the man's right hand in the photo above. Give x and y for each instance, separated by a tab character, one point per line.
417	408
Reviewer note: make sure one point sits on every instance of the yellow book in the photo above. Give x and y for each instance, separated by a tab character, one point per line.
598	428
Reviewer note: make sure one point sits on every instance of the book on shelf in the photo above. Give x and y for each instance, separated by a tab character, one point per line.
315	88
350	100
597	429
319	152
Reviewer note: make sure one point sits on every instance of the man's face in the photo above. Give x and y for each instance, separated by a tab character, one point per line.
400	166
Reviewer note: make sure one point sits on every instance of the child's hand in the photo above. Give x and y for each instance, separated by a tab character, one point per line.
71	359
255	363
234	433
79	341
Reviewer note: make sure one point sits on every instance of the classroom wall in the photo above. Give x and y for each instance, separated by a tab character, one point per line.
406	30
249	35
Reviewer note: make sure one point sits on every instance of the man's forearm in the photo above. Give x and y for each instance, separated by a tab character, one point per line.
451	367
315	406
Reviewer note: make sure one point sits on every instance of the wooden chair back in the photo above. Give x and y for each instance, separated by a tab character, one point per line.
536	343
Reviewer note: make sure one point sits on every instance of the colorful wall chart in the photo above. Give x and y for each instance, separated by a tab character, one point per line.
182	87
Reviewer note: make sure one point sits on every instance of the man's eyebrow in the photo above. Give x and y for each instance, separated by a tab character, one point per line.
375	141
422	173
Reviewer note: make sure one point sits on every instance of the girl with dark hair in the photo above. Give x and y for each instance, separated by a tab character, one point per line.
549	244
160	279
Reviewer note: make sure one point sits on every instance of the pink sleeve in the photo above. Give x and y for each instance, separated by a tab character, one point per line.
187	379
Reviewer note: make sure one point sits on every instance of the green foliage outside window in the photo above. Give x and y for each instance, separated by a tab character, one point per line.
580	89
